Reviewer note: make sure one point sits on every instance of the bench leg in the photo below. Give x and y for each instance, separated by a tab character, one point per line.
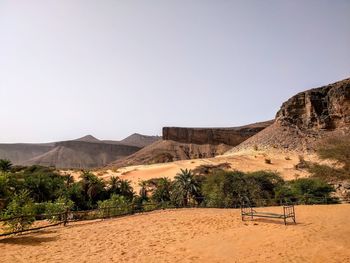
285	221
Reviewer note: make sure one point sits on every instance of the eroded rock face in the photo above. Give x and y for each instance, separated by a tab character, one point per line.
326	108
306	119
213	136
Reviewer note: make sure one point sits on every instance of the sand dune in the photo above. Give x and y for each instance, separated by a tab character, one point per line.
191	235
247	161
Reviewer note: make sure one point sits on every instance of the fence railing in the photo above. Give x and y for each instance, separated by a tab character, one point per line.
42	221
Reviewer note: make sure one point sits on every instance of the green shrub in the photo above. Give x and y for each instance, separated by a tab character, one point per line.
55	210
311	190
262	185
327	173
224	189
116	205
4	185
228	189
336	149
20	212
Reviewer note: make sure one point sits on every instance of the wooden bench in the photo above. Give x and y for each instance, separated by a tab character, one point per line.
248	211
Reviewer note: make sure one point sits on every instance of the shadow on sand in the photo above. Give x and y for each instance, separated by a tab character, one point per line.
30	239
273	221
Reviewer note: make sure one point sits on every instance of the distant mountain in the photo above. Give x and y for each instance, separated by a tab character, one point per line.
88	138
84	152
140	140
20	152
81	154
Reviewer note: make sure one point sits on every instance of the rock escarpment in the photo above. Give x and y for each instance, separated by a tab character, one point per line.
306	119
326	108
213	136
191	143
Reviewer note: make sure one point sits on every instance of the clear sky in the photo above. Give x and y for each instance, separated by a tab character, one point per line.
111	68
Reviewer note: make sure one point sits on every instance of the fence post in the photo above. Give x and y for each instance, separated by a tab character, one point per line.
65	217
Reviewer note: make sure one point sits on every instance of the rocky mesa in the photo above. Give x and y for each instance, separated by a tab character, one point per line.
191	143
214	136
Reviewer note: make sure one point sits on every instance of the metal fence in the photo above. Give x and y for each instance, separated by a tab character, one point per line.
42	221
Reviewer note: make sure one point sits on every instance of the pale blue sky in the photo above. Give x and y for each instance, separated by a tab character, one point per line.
111	68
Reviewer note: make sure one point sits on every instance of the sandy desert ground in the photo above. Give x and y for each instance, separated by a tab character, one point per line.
247	161
322	234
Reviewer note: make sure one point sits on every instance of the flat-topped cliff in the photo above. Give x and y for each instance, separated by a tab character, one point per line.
213	136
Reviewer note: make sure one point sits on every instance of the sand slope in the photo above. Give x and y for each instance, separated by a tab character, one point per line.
245	161
191	235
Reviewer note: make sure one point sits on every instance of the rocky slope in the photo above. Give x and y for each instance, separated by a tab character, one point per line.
80	154
20	152
305	119
167	151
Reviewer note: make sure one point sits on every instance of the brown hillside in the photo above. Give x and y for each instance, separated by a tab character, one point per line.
20	152
167	151
80	154
84	152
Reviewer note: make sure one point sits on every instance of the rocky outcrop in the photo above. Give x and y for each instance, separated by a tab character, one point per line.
326	107
306	119
213	136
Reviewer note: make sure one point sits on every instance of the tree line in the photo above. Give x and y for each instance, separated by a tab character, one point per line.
36	189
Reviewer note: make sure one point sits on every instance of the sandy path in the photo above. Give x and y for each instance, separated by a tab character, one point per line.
191	235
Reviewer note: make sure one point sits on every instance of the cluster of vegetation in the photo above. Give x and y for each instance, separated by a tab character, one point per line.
228	188
336	150
29	191
26	192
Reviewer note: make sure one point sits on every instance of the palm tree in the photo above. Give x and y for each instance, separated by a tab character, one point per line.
143	190
69	179
162	192
126	189
92	185
186	186
114	185
5	165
